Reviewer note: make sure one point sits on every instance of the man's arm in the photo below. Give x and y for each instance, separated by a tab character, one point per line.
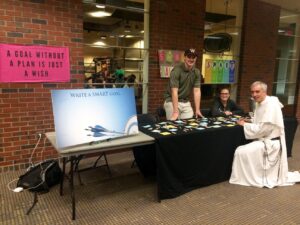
175	113
254	131
197	100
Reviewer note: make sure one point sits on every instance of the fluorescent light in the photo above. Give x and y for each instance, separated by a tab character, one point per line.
134	8
100	6
207	27
212	37
100	14
283	17
99	43
142	31
142	44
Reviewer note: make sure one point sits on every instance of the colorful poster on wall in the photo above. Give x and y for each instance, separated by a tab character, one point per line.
219	71
20	63
91	115
167	60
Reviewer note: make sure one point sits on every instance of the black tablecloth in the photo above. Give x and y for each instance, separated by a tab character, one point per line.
187	161
290	127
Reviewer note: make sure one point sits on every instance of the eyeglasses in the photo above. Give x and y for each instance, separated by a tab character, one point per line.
191	56
224	93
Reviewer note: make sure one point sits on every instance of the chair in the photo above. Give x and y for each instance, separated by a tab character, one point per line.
206	112
146	118
161	113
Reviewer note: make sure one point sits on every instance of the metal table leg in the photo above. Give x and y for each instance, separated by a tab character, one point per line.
73	159
62	177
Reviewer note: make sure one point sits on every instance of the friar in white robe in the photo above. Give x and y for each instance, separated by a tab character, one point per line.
263	162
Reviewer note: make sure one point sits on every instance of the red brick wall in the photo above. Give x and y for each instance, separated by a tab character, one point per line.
258	47
176	25
25	108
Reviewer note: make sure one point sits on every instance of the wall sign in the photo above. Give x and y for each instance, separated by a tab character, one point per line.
21	63
219	71
167	60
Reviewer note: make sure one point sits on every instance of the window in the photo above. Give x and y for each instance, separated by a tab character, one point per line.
287	60
223	21
114	37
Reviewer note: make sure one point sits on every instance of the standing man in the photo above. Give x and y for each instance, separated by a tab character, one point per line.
263	162
183	79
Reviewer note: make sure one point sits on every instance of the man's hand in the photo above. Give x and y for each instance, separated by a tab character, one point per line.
241	122
198	114
174	115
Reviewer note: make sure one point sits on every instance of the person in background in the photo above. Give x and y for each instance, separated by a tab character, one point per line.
184	79
130	82
263	162
224	106
119	77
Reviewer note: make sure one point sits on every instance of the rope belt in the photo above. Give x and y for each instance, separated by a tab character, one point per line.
271	162
275	139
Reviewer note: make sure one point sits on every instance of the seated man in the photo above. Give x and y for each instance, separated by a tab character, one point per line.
224	106
263	162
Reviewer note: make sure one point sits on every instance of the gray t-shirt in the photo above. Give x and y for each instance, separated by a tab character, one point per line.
183	79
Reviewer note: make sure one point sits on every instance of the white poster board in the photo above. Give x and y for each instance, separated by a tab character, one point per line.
91	115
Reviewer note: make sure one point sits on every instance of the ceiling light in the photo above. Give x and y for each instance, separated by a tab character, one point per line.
127	27
99	43
100	6
142	31
207	27
100	14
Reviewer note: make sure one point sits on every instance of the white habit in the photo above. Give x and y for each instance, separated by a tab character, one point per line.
263	162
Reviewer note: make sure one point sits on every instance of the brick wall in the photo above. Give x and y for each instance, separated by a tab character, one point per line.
258	47
176	25
25	108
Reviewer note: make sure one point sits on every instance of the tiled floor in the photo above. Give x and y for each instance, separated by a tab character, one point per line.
127	198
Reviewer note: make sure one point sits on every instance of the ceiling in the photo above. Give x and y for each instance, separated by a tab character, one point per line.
292	5
126	20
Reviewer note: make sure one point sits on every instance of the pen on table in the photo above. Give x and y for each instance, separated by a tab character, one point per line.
100	141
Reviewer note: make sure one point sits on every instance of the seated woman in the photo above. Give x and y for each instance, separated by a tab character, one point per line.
224	106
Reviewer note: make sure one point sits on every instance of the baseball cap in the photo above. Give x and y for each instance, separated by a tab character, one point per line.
190	52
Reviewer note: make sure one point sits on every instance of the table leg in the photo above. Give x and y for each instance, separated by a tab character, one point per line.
62	177
73	159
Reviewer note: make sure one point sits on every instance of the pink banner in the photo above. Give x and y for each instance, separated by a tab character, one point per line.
20	63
